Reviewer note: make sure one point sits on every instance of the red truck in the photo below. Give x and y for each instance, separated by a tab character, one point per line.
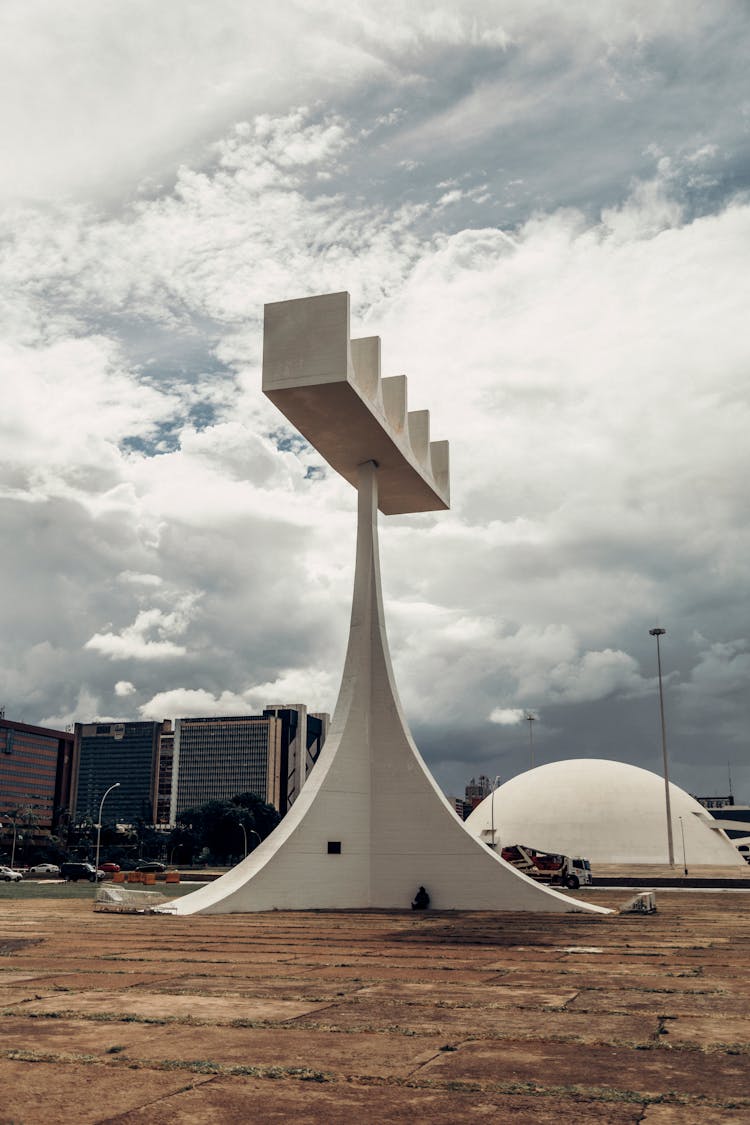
548	867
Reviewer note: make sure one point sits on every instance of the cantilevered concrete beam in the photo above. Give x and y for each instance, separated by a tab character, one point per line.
329	387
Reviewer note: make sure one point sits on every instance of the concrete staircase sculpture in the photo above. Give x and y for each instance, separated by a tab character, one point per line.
370	824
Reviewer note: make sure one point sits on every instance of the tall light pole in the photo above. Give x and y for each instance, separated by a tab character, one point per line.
530	719
684	853
99	823
244	836
254	833
658	632
495	784
13	850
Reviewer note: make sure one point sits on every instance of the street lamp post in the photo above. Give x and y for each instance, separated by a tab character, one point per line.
13	849
684	853
245	832
492	810
99	824
530	719
658	632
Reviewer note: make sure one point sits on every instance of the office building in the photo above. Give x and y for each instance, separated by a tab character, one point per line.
217	758
105	753
477	790
164	783
302	738
35	767
459	805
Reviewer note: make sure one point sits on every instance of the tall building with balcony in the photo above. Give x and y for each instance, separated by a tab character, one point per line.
35	770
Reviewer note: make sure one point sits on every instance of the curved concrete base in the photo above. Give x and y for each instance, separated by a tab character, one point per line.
371	825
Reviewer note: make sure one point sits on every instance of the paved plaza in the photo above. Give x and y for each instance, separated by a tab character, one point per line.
376	1016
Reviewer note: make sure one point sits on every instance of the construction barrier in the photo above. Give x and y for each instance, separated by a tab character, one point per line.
149	877
172	877
118	877
135	876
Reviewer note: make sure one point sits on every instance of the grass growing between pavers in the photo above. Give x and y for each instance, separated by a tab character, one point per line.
532	1017
575	1092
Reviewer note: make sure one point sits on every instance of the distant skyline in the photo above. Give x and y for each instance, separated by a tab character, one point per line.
541	208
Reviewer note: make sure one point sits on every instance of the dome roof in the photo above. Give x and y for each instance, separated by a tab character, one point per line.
608	812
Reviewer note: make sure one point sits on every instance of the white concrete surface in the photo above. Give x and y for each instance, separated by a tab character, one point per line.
371	793
329	387
370	825
608	812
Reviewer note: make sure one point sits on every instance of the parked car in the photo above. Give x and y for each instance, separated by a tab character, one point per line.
110	868
8	875
72	872
151	865
45	869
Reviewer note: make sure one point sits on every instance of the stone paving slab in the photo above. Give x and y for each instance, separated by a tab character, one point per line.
493	996
122	1044
241	973
457	1024
71	1037
182	957
217	1010
684	1115
366	971
666	1003
354	1055
285	988
234	1100
55	1094
710	1031
8	978
436	1018
10	997
657	981
651	1072
104	980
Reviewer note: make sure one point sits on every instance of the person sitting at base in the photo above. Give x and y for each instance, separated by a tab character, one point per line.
421	900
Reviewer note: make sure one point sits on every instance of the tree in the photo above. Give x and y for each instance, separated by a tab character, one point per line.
22	820
218	827
263	817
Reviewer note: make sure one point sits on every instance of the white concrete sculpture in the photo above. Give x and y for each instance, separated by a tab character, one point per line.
370	824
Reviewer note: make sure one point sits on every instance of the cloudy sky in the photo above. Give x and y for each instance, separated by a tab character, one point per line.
543	211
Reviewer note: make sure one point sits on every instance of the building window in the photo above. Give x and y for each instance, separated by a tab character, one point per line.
334	847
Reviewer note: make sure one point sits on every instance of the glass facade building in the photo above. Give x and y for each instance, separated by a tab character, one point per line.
219	758
105	753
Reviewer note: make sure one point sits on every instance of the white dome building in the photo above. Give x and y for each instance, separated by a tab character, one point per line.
608	812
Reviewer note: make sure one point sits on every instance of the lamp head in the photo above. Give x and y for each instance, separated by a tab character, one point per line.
657	632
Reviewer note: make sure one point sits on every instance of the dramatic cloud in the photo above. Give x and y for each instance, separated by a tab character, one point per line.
543	211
